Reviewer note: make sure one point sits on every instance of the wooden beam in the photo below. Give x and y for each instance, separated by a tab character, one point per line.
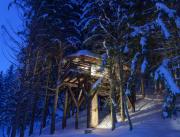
73	96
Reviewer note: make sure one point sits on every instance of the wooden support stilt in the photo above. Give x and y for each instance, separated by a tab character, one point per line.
88	103
77	107
94	112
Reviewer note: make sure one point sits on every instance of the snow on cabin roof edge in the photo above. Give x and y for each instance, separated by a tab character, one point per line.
85	53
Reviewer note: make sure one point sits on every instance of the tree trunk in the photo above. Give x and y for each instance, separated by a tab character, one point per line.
22	128
33	114
112	99
45	111
14	128
160	87
127	114
65	110
3	132
155	87
134	101
121	89
122	106
77	118
8	131
22	131
142	87
15	123
35	97
69	108
53	117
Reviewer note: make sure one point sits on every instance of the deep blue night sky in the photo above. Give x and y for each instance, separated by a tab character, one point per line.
7	17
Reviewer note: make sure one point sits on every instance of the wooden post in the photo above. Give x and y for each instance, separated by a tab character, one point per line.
94	112
65	110
88	103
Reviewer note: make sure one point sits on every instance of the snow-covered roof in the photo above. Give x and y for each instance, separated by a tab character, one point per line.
85	53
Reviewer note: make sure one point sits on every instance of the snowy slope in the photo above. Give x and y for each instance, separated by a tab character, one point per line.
147	122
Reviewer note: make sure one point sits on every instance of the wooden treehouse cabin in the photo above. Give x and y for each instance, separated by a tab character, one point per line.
83	85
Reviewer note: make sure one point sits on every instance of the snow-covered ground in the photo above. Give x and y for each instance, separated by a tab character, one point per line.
147	122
